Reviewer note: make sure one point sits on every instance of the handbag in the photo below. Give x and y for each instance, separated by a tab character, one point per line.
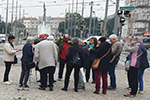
15	60
31	65
96	62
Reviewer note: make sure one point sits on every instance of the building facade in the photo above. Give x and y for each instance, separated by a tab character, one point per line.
140	16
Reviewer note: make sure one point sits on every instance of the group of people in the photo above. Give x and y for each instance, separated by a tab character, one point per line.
46	53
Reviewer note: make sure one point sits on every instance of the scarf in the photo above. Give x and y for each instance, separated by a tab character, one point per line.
10	43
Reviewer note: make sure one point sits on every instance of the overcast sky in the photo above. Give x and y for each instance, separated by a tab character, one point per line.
34	8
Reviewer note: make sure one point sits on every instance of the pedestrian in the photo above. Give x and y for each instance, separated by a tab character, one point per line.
27	57
135	60
103	52
63	44
116	50
92	46
72	51
9	57
46	55
85	59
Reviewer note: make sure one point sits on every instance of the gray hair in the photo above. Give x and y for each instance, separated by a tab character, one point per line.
75	41
113	36
29	39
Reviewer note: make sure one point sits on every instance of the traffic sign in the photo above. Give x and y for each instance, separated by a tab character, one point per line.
127	8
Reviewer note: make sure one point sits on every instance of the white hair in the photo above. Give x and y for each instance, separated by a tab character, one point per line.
29	39
113	36
50	38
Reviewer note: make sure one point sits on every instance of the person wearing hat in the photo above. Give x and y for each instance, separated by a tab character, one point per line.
103	50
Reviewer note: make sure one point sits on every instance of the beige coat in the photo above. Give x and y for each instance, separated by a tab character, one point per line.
9	53
45	54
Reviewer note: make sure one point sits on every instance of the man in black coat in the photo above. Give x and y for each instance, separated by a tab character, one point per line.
27	57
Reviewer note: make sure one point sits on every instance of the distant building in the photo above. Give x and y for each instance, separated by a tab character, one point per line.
31	25
140	17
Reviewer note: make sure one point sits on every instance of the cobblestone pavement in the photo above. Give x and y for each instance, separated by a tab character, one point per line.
12	92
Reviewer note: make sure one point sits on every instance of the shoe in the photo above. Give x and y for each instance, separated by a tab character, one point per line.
95	92
39	81
55	81
7	82
59	79
93	82
26	86
129	95
64	89
50	88
140	92
104	93
75	90
21	85
111	88
42	88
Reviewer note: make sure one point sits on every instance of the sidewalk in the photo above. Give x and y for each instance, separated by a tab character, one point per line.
11	92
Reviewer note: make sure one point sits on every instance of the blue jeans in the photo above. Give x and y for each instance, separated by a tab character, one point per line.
112	75
140	79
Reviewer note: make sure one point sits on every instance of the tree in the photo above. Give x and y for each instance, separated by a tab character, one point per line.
2	27
110	26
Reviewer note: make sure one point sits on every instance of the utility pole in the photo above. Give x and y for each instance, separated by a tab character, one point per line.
94	22
116	18
12	16
105	20
65	22
19	16
81	32
90	24
76	19
72	33
6	20
16	30
69	19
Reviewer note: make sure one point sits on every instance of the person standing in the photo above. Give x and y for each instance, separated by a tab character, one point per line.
70	66
27	58
63	44
135	58
9	57
116	50
103	50
46	55
92	46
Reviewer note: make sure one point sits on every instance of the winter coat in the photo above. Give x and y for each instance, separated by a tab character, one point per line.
27	53
104	64
45	54
9	53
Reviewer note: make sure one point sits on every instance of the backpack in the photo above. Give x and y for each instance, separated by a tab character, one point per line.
76	60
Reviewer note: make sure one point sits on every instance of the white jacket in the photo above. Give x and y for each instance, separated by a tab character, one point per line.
9	53
45	54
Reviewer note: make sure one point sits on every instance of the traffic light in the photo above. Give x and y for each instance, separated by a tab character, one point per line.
127	13
120	12
122	19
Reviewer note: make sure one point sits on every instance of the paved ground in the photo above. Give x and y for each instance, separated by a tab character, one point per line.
11	92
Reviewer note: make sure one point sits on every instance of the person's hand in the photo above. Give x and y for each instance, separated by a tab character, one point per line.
127	69
69	41
17	50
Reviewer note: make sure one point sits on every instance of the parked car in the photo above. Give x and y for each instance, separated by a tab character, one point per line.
146	42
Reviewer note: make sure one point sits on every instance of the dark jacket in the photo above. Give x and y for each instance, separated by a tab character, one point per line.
101	51
85	56
27	53
144	61
71	52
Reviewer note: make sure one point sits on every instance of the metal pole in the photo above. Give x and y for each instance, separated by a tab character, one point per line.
90	24
12	15
94	23
116	18
16	31
72	18
19	16
69	19
6	20
105	20
65	22
81	32
75	33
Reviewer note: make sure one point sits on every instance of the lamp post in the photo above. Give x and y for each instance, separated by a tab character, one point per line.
6	20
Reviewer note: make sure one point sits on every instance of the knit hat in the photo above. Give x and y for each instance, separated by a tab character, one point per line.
41	36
